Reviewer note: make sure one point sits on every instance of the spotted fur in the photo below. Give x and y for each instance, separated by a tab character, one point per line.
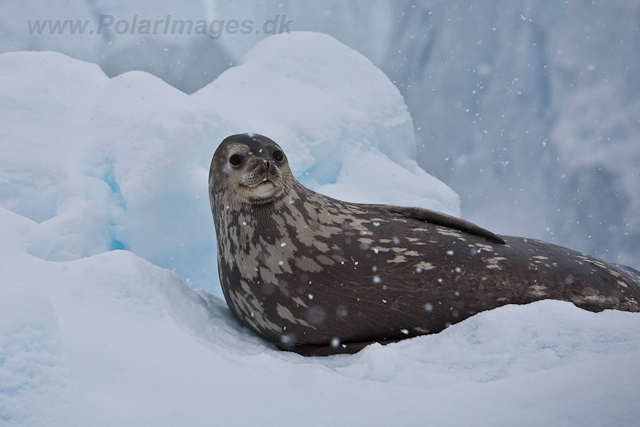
318	275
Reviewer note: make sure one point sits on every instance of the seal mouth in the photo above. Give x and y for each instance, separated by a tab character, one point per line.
262	185
263	193
265	182
258	177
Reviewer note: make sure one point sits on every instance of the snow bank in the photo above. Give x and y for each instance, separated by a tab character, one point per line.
346	124
113	340
94	335
106	164
122	163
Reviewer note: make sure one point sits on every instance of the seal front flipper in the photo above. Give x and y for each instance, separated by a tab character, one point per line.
445	220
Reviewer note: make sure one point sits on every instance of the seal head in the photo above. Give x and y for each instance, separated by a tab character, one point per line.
250	166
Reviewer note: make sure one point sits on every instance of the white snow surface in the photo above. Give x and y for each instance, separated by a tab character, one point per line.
91	334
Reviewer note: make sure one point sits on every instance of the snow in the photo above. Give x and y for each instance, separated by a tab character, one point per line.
123	163
113	340
339	115
91	334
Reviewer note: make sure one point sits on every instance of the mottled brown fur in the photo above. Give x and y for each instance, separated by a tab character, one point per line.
322	276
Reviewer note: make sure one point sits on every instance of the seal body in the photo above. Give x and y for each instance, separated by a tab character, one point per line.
321	276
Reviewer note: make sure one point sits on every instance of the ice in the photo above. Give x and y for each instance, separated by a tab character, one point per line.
107	164
343	124
105	229
123	163
532	120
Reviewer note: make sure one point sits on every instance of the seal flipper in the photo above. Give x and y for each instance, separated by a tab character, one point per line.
445	220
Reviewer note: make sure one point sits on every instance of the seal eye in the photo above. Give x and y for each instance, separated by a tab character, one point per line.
236	159
278	155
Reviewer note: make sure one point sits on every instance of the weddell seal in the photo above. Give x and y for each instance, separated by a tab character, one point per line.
320	276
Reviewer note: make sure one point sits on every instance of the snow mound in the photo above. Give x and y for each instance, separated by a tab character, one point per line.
346	124
114	340
104	164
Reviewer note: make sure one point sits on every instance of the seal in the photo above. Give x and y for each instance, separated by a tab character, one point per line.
320	276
